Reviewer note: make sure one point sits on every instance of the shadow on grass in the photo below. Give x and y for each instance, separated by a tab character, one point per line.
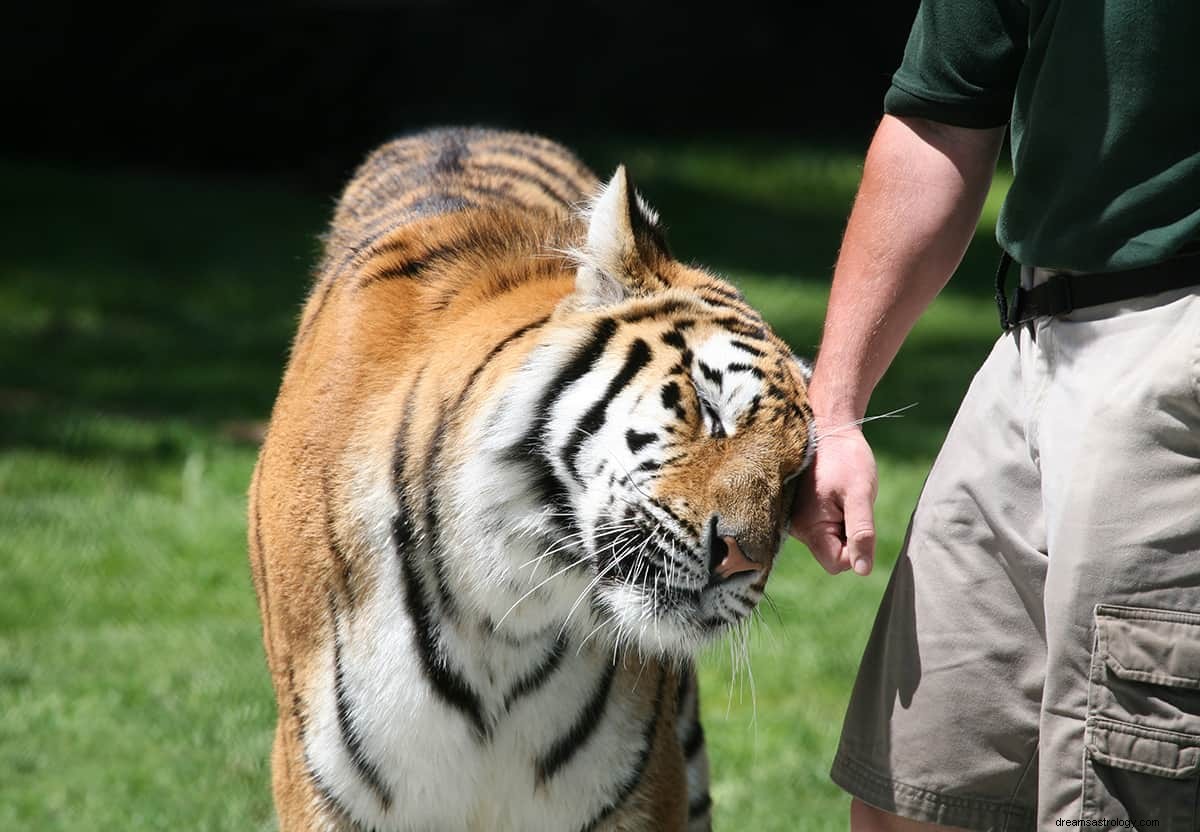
160	298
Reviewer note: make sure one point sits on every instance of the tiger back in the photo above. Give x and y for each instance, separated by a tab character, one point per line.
523	464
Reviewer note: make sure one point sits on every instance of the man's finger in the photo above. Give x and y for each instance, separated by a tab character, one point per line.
860	531
826	547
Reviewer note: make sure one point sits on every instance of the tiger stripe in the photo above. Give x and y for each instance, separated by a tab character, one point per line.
637	357
451	687
638	770
351	738
511	431
568	745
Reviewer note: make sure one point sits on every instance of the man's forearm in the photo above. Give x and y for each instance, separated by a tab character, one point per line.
922	191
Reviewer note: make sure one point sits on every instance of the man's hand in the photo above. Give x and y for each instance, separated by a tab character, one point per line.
922	190
834	510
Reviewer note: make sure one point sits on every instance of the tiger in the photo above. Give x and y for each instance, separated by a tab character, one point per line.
522	466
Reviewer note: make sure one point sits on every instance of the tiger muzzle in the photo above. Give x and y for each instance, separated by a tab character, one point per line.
726	556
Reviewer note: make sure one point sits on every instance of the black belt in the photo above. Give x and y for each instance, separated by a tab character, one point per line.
1063	293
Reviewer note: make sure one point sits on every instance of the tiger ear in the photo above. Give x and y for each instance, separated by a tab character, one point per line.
625	243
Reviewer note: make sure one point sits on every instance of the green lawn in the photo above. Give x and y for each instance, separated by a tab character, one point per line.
144	321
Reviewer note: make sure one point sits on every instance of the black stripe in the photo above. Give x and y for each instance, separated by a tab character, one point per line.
522	176
559	154
528	449
752	411
722	303
414	268
725	291
746	329
685	685
663	307
336	550
449	685
750	348
566	746
324	793
346	727
329	274
699	806
672	399
509	148
502	195
432	468
432	527
694	740
665	556
674	338
711	373
718	427
676	542
740	309
631	560
667	510
739	367
452	688
637	357
443	253
773	392
451	150
647	465
636	439
495	351
650	733
539	675
579	365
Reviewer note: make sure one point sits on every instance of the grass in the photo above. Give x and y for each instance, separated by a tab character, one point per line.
145	320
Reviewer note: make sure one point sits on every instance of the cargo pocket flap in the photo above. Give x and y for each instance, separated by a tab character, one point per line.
1145	750
1161	647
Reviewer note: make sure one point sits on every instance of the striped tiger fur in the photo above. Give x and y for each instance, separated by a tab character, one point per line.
521	466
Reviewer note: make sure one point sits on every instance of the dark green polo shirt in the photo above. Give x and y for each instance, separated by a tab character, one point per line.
1103	97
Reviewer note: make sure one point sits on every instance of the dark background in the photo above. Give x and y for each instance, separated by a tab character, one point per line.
302	91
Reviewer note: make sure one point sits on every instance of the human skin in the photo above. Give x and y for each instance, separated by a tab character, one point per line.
919	201
921	195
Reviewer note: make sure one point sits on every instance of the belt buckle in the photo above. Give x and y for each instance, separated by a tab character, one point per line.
1014	309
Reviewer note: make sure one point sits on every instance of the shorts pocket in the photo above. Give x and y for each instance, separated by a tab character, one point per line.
1142	740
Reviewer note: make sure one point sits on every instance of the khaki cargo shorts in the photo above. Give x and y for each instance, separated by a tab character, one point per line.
1035	663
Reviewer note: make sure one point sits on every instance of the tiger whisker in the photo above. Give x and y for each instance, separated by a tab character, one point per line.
745	630
732	677
891	414
558	546
540	584
586	638
599	575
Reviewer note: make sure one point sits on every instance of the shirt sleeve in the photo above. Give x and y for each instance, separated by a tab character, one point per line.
961	63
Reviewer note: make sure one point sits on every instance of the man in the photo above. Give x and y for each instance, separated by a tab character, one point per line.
1036	657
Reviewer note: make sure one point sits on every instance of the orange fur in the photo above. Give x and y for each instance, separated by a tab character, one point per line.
405	307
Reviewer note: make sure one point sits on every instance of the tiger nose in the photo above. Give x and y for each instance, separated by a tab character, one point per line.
728	559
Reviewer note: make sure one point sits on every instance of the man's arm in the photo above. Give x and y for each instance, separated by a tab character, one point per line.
922	191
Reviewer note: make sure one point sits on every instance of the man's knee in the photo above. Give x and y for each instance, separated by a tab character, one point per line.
866	818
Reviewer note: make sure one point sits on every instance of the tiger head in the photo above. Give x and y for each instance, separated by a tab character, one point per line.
664	434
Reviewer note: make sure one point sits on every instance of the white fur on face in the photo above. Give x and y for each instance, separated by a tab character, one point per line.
668	606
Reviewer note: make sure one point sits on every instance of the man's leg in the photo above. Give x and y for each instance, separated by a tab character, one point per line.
1120	457
942	725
